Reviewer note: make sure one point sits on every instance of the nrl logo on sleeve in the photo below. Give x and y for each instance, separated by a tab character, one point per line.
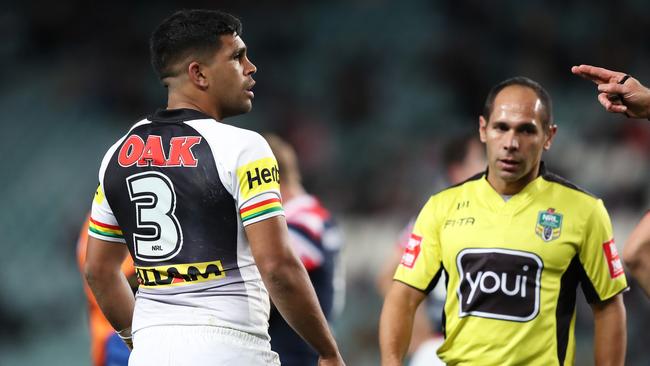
549	225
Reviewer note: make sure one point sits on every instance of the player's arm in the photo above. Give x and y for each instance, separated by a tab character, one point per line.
396	322
289	286
630	97
636	253
109	285
609	332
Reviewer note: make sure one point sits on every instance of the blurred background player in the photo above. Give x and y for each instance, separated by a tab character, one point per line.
316	239
106	347
462	157
621	93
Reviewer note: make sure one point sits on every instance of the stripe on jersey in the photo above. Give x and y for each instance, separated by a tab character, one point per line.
100	228
259	206
180	274
305	247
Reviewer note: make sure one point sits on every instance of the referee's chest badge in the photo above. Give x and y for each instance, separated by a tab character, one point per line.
549	225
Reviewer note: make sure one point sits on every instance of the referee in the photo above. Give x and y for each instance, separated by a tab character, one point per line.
514	242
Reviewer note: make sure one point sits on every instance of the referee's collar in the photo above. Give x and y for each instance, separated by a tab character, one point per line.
518	200
177	115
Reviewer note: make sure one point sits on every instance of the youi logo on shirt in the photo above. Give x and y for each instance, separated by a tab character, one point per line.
499	283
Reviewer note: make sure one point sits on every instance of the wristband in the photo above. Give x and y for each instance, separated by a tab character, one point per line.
124	333
126	336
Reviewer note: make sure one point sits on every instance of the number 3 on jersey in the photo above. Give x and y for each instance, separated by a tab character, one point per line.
158	236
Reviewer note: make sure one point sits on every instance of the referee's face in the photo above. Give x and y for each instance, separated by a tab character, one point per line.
230	77
515	139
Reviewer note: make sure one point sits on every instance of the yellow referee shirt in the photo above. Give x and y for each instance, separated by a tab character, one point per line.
513	267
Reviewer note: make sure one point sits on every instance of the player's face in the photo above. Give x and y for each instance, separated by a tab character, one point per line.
515	139
230	76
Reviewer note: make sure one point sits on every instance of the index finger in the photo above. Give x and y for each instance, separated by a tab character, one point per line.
598	75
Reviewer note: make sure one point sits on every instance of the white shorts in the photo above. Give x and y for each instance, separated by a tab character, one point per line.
192	345
426	354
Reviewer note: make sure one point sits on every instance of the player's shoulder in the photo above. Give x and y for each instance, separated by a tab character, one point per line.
227	131
203	123
112	150
232	138
568	189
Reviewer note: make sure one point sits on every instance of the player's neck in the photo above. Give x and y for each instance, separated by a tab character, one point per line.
178	101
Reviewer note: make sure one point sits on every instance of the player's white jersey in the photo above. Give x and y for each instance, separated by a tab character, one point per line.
178	189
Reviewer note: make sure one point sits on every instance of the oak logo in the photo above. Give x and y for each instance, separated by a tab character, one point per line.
135	151
179	274
499	283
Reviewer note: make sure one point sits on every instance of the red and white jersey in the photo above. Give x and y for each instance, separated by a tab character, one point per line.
311	230
178	189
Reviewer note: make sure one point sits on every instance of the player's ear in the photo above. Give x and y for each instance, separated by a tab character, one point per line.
195	72
482	128
550	135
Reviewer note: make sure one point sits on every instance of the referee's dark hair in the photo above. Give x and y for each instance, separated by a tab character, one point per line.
542	94
189	33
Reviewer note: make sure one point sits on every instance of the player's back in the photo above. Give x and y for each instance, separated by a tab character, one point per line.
173	185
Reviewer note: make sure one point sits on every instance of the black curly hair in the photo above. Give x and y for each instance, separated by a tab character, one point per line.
189	33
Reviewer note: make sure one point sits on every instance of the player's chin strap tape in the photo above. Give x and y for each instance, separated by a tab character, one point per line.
125	335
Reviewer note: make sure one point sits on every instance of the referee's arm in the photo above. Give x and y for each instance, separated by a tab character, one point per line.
609	332
396	322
